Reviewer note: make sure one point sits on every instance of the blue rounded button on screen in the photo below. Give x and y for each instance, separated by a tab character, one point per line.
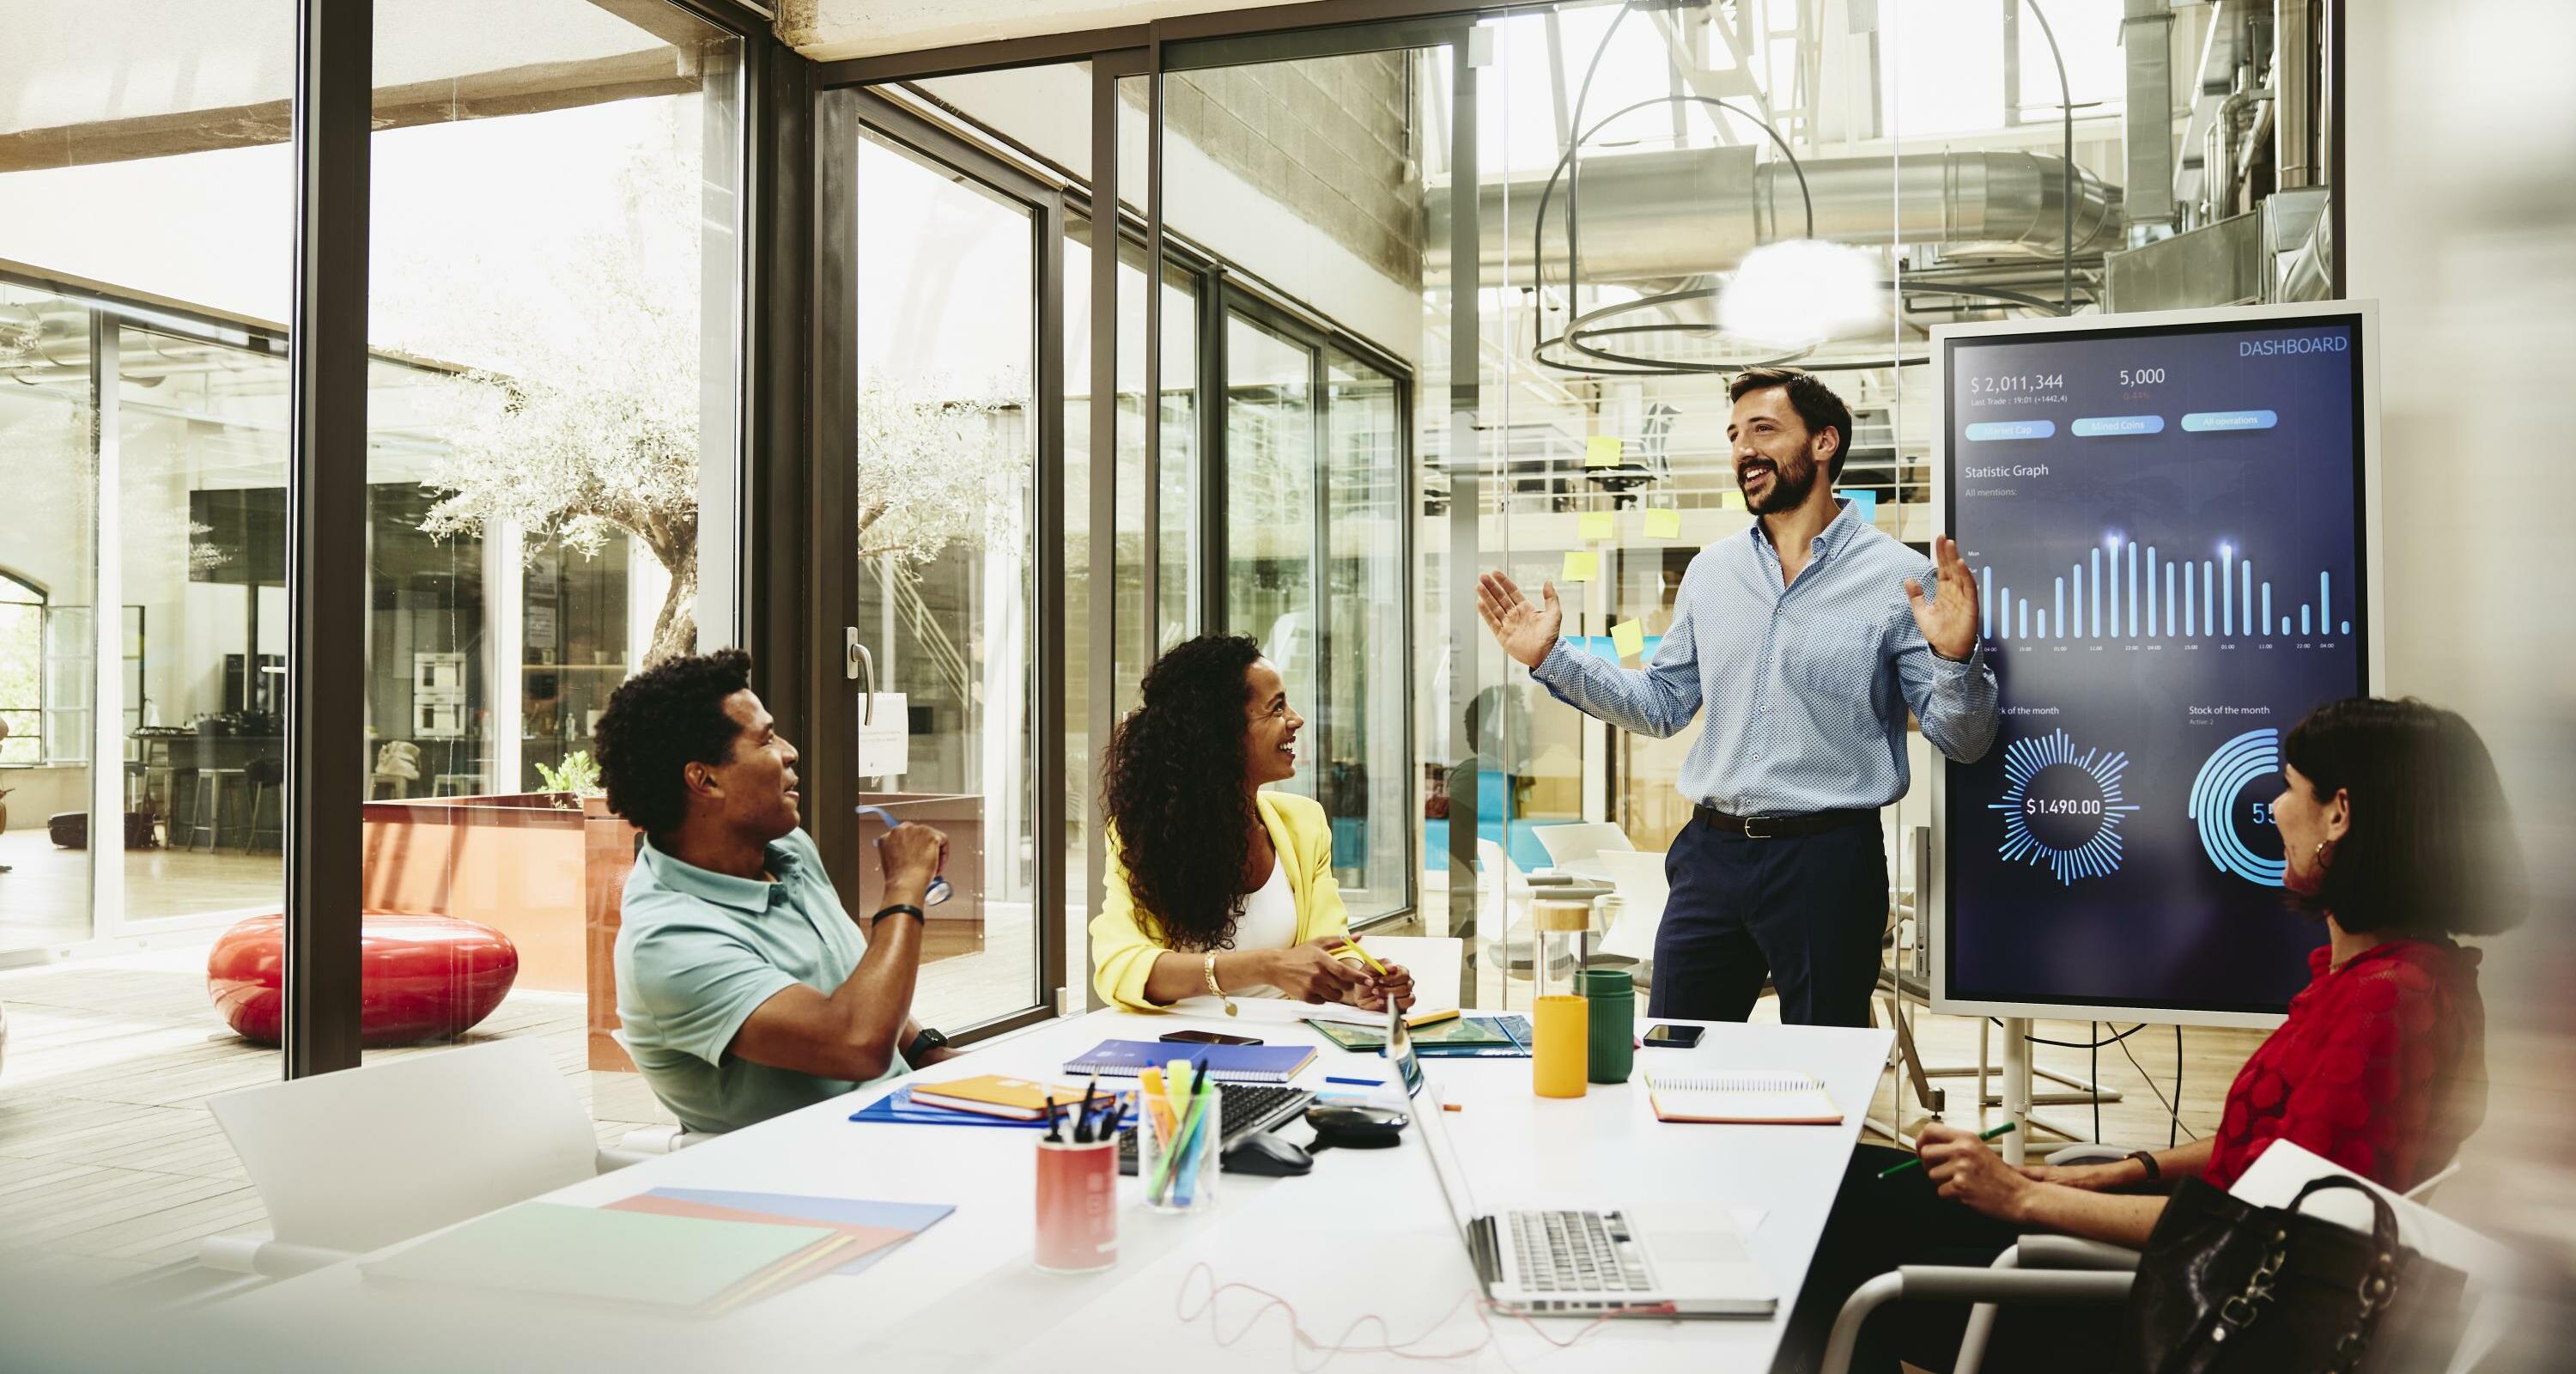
2011	429
2094	426
2204	421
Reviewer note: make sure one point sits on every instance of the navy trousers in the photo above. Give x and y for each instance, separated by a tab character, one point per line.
1808	911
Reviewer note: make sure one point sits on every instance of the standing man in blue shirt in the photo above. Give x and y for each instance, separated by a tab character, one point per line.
744	988
1807	638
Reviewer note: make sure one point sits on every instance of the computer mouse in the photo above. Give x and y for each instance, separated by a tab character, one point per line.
1355	1128
1265	1154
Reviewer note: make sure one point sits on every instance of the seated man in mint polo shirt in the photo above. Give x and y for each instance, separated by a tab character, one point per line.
746	990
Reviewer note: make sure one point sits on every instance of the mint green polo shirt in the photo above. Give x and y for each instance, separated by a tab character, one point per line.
697	951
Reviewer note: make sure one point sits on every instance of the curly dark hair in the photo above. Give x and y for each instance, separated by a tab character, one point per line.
1173	777
2431	851
660	721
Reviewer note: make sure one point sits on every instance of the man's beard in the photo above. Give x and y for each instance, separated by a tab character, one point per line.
1790	483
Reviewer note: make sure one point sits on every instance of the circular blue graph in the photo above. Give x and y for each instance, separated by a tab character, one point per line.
2061	808
2250	757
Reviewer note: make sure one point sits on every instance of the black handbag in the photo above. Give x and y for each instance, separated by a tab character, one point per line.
2227	1286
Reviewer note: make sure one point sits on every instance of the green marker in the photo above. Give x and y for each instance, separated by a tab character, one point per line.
1894	1169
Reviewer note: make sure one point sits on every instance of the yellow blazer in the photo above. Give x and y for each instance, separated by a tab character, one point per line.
1123	948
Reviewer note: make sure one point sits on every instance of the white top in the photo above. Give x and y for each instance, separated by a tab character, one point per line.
1269	922
962	1296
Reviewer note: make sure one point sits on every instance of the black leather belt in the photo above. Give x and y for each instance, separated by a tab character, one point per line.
1783	827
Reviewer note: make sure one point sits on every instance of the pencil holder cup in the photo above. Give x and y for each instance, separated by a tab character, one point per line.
1077	1205
1176	1150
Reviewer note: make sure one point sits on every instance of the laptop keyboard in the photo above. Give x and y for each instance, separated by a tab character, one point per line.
1243	1109
1576	1252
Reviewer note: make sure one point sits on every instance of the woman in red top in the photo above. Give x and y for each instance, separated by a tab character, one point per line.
2394	831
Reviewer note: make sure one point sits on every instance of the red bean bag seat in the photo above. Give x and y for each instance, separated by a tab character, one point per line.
421	977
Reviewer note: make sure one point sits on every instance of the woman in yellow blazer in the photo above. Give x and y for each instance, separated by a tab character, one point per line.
1215	886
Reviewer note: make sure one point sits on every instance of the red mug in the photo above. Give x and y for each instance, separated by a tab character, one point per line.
1077	1205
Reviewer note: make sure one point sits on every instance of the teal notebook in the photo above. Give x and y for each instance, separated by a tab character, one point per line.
546	1249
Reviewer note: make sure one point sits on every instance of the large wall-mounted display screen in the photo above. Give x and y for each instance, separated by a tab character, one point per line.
2166	520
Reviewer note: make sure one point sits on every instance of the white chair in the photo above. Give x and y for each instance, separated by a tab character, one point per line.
1643	891
348	1162
1579	846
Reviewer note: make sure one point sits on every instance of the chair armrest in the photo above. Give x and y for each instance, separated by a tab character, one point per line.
1936	1283
2069	1253
2074	1155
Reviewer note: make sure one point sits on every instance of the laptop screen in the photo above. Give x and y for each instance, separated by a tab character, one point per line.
1427	1122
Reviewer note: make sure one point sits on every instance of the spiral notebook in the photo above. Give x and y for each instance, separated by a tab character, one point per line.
1765	1097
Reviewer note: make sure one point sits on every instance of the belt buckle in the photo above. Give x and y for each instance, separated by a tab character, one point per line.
1752	834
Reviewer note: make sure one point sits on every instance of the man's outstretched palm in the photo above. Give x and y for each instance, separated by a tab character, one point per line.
1526	629
1949	619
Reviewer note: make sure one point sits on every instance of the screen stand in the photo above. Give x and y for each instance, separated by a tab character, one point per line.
2016	1088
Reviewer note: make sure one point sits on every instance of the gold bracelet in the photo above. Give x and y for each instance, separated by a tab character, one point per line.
1207	966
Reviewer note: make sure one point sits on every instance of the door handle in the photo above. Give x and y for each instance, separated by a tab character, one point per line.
861	667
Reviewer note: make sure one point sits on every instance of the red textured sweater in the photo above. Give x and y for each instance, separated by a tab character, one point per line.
2381	1067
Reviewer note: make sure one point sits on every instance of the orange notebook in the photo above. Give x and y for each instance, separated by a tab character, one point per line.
993	1094
1742	1097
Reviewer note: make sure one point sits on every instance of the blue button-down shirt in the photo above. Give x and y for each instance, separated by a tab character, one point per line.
1806	685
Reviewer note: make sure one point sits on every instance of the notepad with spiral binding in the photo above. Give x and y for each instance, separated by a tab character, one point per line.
1767	1097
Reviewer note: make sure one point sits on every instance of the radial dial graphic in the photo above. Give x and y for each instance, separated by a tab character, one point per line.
2231	802
2061	808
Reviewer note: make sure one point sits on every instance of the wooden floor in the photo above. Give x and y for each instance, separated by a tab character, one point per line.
110	1164
45	897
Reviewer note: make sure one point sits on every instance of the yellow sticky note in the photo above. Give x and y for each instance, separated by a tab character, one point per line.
1601	451
1595	524
1735	500
1580	566
1629	638
1663	524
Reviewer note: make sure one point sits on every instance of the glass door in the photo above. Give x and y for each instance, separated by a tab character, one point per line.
955	259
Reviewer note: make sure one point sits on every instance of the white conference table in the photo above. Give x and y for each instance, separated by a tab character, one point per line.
1365	1233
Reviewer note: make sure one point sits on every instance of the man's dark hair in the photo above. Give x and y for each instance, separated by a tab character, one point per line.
660	721
1818	407
2431	850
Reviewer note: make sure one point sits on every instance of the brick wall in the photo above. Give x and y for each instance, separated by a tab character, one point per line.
1324	136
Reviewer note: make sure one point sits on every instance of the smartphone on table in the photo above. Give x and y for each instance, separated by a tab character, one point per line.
1201	1037
1673	1037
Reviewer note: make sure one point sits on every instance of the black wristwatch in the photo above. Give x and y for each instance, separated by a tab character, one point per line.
931	1038
885	911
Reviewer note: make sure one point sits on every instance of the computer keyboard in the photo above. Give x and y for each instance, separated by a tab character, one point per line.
1575	1252
1242	1110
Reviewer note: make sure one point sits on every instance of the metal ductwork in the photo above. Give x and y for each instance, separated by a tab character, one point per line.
1657	216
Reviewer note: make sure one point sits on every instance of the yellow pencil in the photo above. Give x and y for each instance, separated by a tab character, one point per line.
1369	958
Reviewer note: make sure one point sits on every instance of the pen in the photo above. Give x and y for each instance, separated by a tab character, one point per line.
1051	1135
1082	1125
1894	1169
1357	1082
1369	958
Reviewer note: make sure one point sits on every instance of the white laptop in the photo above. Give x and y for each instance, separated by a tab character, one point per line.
1674	1259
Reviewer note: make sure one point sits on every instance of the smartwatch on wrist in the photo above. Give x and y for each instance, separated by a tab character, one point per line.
931	1038
2154	1171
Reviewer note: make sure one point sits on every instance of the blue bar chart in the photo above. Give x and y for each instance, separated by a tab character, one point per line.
2126	591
